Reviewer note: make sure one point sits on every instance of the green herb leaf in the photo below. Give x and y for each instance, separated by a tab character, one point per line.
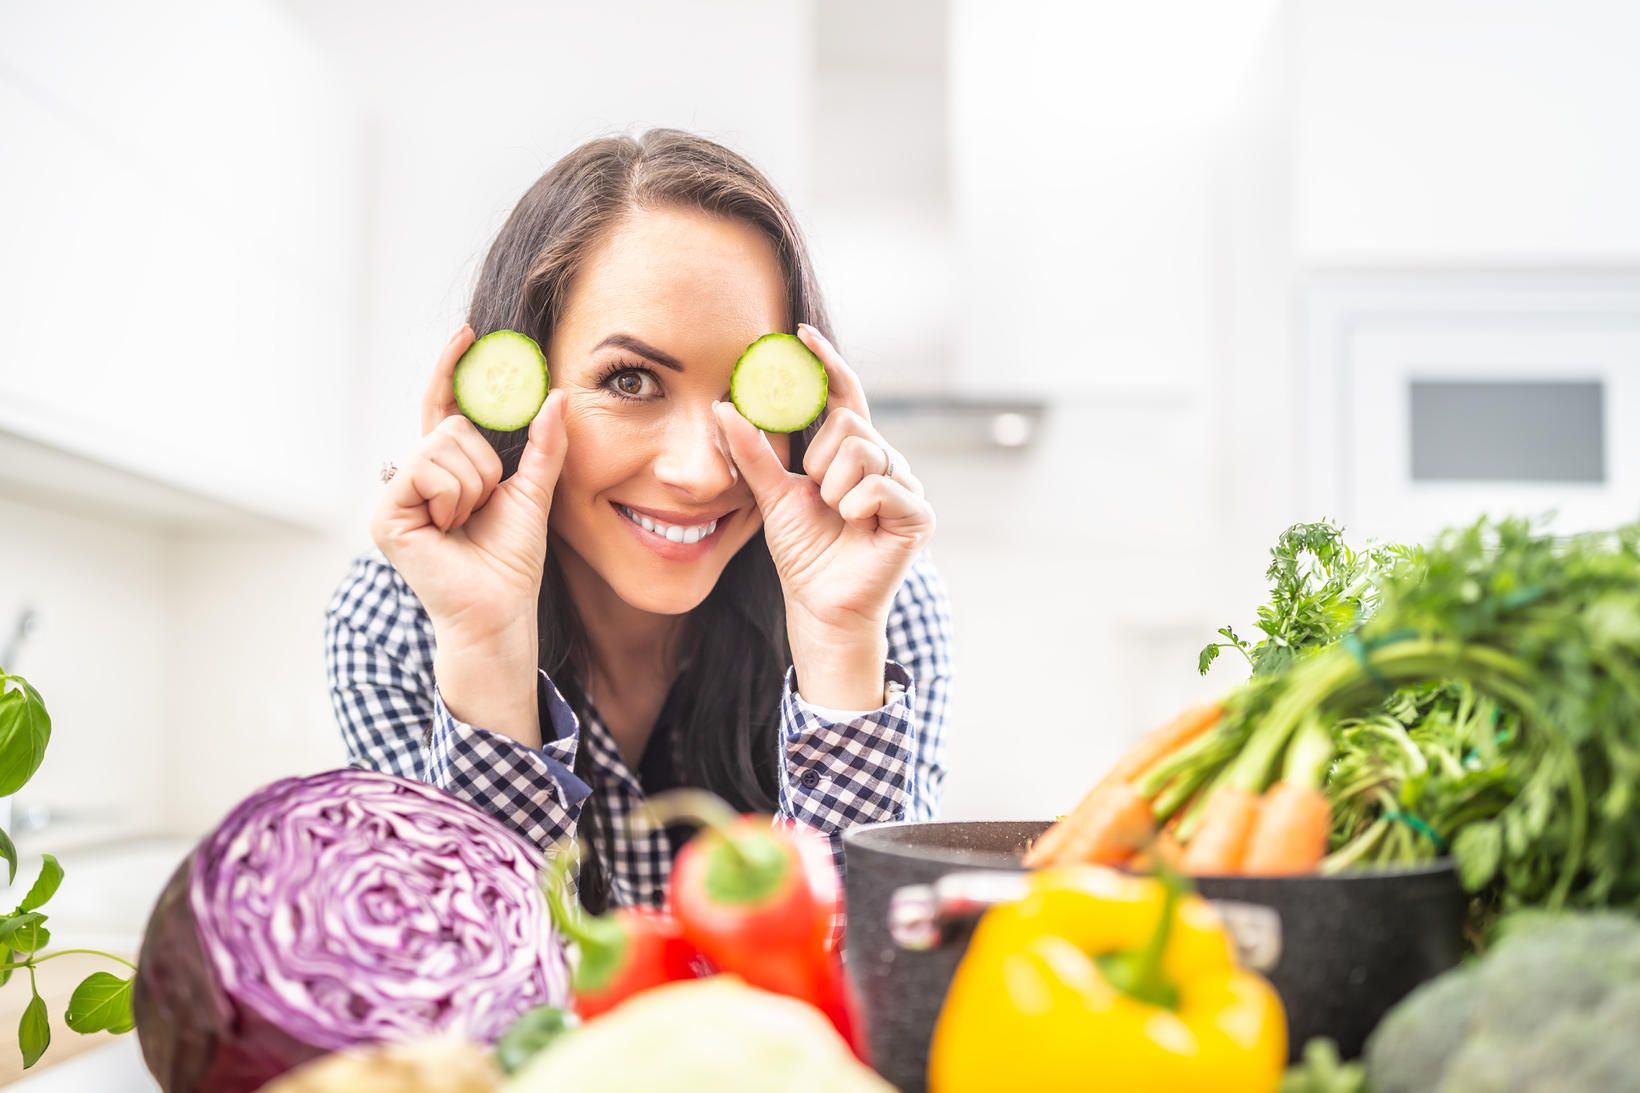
532	1033
34	1031
1479	849
25	730
13	923
101	1002
1205	660
45	886
8	850
24	933
5	958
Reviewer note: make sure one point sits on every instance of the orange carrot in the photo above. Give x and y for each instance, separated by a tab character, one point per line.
1291	833
1219	841
1163	741
1106	825
1166	850
1106	828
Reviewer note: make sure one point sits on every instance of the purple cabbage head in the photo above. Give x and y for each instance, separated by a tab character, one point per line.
337	909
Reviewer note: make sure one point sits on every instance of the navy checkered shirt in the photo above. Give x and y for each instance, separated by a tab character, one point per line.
883	764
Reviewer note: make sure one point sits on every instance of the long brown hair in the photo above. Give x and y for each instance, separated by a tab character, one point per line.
728	689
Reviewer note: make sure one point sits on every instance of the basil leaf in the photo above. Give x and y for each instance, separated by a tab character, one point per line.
31	938
8	850
23	933
5	958
12	923
101	1002
34	1031
45	886
25	730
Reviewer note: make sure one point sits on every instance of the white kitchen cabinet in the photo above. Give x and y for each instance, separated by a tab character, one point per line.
172	254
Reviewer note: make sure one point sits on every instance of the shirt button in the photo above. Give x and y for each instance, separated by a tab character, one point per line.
809	779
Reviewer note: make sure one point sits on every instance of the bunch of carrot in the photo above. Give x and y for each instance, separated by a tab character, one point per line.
1206	800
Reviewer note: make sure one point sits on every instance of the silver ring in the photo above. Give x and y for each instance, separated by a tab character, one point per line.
389	469
888	471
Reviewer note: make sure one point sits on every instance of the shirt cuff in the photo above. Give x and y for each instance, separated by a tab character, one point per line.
535	789
839	772
896	681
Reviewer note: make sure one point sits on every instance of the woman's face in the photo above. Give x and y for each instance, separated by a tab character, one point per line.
656	318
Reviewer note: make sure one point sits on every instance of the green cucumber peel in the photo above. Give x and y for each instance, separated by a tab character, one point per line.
501	381
778	384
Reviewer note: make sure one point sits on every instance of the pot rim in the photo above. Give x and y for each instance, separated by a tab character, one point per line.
876	838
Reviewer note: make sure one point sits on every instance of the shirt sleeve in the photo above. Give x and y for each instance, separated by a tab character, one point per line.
843	768
379	660
921	637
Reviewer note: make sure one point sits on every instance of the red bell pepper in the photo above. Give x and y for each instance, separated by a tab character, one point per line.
628	950
760	901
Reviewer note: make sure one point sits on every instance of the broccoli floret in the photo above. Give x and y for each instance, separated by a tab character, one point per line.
1409	1050
1588	1051
1552	1008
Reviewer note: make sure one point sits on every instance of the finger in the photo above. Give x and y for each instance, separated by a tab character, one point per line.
857	458
839	426
845	389
889	506
439	400
753	455
433	486
837	430
543	458
449	456
479	452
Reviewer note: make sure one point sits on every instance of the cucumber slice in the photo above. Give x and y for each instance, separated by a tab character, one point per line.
778	384
501	381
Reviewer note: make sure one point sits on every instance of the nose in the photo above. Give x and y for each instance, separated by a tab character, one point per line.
692	459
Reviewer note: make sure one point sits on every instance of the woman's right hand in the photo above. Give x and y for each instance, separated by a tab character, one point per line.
471	546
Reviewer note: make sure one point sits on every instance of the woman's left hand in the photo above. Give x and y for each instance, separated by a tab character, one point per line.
842	535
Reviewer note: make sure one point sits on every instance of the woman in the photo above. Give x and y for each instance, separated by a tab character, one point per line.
644	590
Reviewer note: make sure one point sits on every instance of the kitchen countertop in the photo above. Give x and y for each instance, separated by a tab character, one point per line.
112	1065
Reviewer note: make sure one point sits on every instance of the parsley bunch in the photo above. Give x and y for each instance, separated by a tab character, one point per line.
1483	695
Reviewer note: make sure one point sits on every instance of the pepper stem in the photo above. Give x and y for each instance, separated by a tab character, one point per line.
1138	972
600	943
555	886
697	806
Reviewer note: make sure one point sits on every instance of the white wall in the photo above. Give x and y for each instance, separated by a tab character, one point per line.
98	653
1467	132
245	672
1121	256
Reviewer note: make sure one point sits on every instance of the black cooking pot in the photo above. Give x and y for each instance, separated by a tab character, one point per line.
1339	950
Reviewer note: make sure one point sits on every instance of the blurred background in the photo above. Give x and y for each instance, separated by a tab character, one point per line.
1134	285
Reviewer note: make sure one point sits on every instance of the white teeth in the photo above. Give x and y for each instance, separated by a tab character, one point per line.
667	531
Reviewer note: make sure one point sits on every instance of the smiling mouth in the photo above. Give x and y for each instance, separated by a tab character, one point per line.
685	534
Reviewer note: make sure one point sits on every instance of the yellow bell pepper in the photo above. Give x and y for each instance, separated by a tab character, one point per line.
1099	980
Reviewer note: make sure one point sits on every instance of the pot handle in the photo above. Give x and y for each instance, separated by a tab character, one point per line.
922	917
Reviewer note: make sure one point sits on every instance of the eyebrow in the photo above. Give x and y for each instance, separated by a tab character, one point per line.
642	348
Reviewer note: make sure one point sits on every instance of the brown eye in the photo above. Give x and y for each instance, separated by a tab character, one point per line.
629	383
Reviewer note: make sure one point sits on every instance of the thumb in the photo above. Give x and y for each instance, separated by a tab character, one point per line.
756	459
543	457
